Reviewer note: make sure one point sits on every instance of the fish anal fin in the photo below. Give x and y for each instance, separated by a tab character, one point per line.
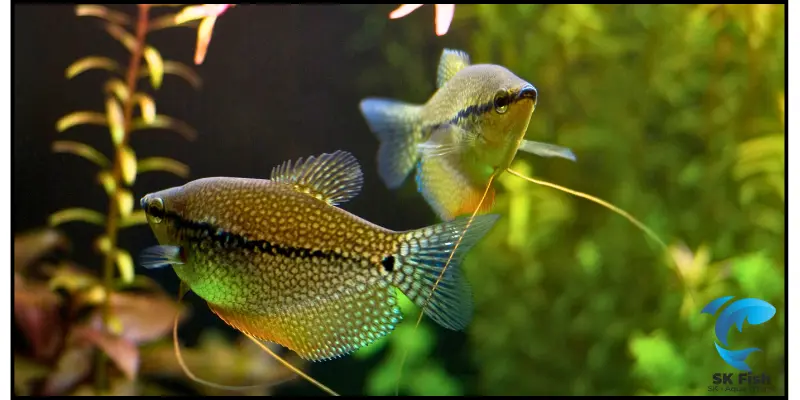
334	178
450	63
325	328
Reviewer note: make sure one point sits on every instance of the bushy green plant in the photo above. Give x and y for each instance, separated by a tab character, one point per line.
675	113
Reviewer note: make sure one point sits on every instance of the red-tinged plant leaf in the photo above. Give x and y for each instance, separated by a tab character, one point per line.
217	359
36	313
30	246
144	317
74	365
120	350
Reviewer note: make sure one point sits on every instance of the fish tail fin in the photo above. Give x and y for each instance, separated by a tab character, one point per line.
182	291
397	126
419	265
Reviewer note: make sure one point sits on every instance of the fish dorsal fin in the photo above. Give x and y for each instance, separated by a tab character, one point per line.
334	178
450	63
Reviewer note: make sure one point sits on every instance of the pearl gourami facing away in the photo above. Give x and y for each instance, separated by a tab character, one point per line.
470	129
278	260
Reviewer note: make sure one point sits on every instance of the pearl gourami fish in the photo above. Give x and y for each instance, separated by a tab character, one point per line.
278	260
464	135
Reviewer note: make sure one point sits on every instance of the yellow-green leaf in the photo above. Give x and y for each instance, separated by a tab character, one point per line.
102	244
125	265
137	217
164	164
147	107
165	122
118	88
107	180
94	10
155	65
115	120
76	214
191	13
127	159
179	69
119	33
80	117
168	21
93	62
83	150
124	202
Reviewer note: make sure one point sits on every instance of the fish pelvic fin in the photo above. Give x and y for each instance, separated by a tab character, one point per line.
326	328
450	63
161	256
398	127
334	178
424	253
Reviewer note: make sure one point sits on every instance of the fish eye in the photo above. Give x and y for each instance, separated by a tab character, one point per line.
501	101
155	207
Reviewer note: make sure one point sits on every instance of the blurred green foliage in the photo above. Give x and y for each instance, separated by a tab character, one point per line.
676	114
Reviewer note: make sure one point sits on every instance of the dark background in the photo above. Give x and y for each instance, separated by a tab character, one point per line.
277	85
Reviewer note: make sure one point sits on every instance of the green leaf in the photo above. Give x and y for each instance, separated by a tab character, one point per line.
127	160
122	36
92	62
758	276
125	266
165	122
137	217
124	202
79	118
117	88
83	150
147	107
76	214
179	69
155	64
164	164
116	121
94	10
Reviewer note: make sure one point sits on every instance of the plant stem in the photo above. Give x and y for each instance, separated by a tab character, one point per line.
112	226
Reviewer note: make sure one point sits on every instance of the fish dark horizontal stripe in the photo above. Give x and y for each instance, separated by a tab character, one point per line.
479	109
205	229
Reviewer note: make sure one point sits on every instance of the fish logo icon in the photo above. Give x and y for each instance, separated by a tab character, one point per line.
754	311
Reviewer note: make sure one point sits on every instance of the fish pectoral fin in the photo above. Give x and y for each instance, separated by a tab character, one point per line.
326	328
161	256
450	63
443	179
547	150
334	178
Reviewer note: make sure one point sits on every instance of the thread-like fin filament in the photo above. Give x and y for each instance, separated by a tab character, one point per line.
193	377
617	210
441	274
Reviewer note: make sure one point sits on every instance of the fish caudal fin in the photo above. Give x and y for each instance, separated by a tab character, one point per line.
423	254
397	126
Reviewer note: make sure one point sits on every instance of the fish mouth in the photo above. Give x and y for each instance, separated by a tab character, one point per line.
142	202
528	92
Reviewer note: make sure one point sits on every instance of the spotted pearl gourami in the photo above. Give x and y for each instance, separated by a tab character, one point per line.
278	260
469	130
